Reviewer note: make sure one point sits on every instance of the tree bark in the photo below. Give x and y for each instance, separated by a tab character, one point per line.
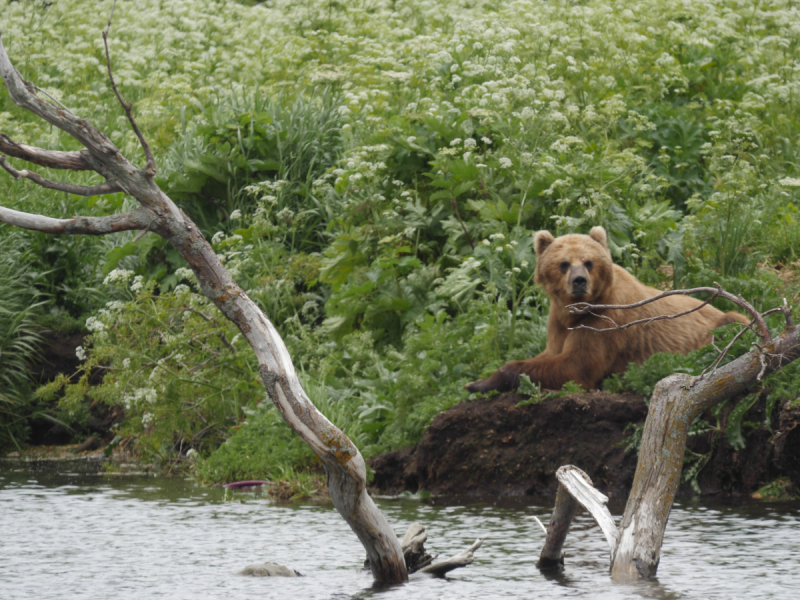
677	401
342	461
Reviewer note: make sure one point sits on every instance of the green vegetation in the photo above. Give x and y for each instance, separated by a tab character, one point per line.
371	174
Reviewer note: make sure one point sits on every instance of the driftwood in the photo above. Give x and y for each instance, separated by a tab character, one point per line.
574	490
677	401
462	559
418	560
158	214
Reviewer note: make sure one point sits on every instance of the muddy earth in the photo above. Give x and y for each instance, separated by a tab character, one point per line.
495	447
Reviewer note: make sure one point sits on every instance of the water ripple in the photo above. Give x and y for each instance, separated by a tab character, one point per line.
98	537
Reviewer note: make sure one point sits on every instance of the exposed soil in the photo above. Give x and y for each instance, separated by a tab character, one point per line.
494	447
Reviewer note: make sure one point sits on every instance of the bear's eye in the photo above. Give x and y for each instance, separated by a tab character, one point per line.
588	264
564	266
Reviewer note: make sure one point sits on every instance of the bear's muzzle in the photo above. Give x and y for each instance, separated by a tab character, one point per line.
578	280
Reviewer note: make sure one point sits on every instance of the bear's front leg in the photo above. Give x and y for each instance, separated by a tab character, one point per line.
505	379
551	372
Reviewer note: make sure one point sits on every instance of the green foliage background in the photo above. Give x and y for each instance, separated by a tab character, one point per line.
371	173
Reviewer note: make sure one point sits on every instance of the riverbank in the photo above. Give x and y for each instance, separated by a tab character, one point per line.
503	446
497	447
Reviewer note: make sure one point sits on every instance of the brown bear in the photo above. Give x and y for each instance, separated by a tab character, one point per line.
578	268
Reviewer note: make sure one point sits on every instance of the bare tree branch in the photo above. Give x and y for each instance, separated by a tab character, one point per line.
581	308
70	188
137	219
574	488
74	161
787	313
151	161
646	321
22	95
724	352
341	459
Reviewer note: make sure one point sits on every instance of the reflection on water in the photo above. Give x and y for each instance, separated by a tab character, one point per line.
83	536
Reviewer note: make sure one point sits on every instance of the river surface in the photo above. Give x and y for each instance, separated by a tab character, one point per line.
99	536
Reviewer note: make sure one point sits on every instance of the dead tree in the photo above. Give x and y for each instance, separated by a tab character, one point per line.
635	546
343	463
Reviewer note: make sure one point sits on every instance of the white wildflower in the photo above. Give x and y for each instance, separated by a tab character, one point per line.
121	275
790	182
506	163
184	273
95	325
115	305
237	214
80	352
137	285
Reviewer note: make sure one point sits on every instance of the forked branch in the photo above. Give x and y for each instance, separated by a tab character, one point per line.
581	308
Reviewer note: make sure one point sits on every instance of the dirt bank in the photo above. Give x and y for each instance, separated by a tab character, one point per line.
494	447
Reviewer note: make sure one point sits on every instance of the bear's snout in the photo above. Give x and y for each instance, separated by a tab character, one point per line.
578	280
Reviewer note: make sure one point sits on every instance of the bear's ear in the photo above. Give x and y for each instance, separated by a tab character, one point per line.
541	240
598	234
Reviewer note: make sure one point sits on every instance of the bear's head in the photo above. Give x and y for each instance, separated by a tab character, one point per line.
574	268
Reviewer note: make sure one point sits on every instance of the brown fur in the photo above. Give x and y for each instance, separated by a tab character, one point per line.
578	268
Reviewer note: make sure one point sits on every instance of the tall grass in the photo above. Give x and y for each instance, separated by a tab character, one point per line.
20	340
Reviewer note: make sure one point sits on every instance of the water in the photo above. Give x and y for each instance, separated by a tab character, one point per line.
83	536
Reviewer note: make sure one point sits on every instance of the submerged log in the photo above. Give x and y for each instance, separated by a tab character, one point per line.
269	569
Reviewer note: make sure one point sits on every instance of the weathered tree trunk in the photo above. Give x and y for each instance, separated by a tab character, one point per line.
342	461
677	401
